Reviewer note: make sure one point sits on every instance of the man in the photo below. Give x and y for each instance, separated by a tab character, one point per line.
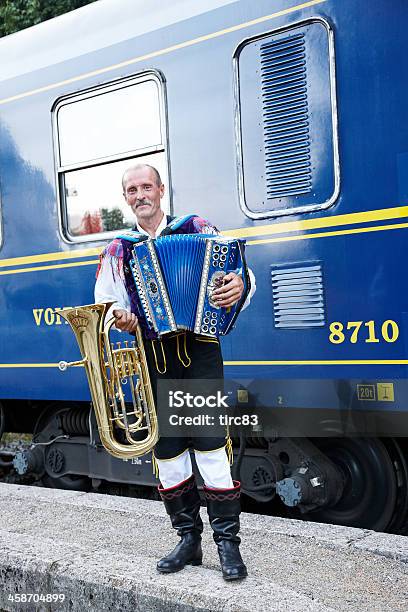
182	356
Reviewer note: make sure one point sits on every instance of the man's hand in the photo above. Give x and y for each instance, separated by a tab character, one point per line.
230	292
125	321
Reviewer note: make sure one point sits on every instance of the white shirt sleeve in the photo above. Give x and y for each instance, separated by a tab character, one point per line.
110	286
252	290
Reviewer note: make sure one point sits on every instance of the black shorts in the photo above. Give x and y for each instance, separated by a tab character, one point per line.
184	356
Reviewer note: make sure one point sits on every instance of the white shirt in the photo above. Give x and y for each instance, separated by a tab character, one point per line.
110	284
160	227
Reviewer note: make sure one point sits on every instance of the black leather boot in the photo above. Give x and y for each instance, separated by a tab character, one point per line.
224	508
182	503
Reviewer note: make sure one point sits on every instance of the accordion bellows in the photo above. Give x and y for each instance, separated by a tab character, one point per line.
176	275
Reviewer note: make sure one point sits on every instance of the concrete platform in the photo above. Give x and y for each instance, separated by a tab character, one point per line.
101	552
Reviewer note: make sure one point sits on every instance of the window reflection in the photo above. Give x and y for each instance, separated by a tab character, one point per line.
94	199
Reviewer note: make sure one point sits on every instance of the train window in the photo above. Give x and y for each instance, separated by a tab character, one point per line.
98	134
286	121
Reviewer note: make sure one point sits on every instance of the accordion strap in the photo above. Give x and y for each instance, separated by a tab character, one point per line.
184	358
164	370
187	363
132	236
175	224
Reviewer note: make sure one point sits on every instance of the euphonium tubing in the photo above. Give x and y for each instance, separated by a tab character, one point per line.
123	365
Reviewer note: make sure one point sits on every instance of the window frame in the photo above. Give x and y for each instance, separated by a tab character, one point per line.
307	208
90	92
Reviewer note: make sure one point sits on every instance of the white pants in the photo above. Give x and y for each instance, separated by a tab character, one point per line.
213	466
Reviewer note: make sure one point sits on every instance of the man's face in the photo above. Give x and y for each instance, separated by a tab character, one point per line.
142	193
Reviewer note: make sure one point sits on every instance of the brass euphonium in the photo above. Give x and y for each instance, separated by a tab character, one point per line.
108	369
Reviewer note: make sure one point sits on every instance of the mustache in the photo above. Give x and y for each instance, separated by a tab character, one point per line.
142	203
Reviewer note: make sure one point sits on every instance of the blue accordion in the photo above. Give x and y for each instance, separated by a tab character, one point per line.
176	275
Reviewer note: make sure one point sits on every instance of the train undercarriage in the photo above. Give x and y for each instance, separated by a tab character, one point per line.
353	481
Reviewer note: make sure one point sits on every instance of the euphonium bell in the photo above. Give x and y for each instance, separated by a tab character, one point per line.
108	370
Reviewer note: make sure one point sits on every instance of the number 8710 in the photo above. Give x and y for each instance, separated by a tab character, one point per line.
361	331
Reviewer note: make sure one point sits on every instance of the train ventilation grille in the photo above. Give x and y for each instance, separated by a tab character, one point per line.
285	117
298	297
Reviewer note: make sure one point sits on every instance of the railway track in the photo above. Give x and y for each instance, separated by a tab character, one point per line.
10	444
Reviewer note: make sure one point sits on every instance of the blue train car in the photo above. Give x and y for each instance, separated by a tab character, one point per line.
283	123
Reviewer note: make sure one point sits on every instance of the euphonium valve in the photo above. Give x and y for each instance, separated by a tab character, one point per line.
119	382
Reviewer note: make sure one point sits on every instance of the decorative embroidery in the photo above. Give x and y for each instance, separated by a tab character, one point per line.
114	248
172	494
218	496
112	253
98	269
203	227
152	288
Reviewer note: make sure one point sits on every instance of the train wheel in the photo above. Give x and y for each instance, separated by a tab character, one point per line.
370	492
397	449
47	428
68	482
